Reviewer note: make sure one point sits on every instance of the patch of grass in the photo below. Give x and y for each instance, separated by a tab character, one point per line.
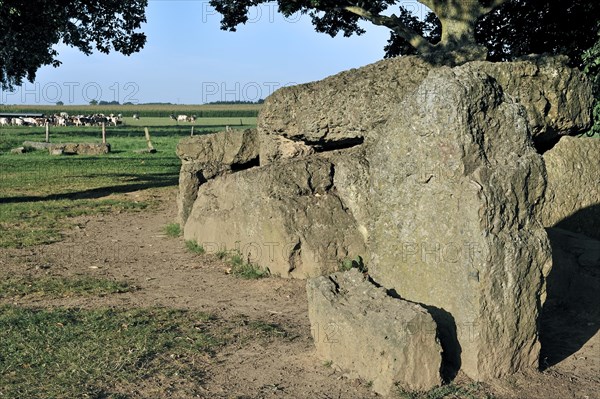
24	224
40	193
222	254
246	270
328	363
450	391
73	353
173	230
60	286
194	247
356	263
268	329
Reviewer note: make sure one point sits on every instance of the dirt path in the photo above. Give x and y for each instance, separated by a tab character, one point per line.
133	247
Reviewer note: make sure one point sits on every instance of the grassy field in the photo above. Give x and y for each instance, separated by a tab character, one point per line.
39	193
57	352
201	111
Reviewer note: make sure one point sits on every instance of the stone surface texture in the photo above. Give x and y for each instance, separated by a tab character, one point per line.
204	157
432	176
456	190
573	194
289	218
361	329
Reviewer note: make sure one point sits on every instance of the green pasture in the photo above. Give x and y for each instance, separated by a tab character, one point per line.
145	110
40	193
202	123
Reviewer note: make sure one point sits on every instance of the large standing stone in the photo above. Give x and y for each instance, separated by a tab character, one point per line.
363	330
573	194
456	190
289	219
207	156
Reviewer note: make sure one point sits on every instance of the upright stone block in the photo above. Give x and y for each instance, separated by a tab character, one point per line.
456	190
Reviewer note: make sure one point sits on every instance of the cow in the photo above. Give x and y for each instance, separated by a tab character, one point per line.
182	118
192	119
18	122
172	117
30	121
136	117
114	120
5	121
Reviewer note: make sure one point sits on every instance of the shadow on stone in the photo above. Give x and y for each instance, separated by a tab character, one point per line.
448	336
571	314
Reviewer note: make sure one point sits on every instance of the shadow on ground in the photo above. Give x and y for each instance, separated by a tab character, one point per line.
139	182
571	314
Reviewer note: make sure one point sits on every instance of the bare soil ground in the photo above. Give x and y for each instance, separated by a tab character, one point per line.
134	247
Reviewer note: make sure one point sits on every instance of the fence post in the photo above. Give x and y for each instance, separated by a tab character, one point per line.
47	132
192	131
150	146
103	133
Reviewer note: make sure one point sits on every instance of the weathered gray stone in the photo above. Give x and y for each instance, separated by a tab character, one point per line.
286	217
442	192
273	148
573	194
342	108
557	98
346	108
37	145
456	189
351	183
207	156
79	149
363	330
232	147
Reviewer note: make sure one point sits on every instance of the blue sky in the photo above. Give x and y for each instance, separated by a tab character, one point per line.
189	60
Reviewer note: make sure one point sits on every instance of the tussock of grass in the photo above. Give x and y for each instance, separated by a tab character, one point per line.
194	247
73	353
356	263
173	230
60	286
450	391
268	329
246	270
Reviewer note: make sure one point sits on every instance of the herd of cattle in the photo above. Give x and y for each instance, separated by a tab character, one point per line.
64	119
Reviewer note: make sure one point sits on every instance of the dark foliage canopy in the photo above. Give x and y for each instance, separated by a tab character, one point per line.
29	30
459	30
506	28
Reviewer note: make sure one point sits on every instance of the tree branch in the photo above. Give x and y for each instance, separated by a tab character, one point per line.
492	6
392	22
